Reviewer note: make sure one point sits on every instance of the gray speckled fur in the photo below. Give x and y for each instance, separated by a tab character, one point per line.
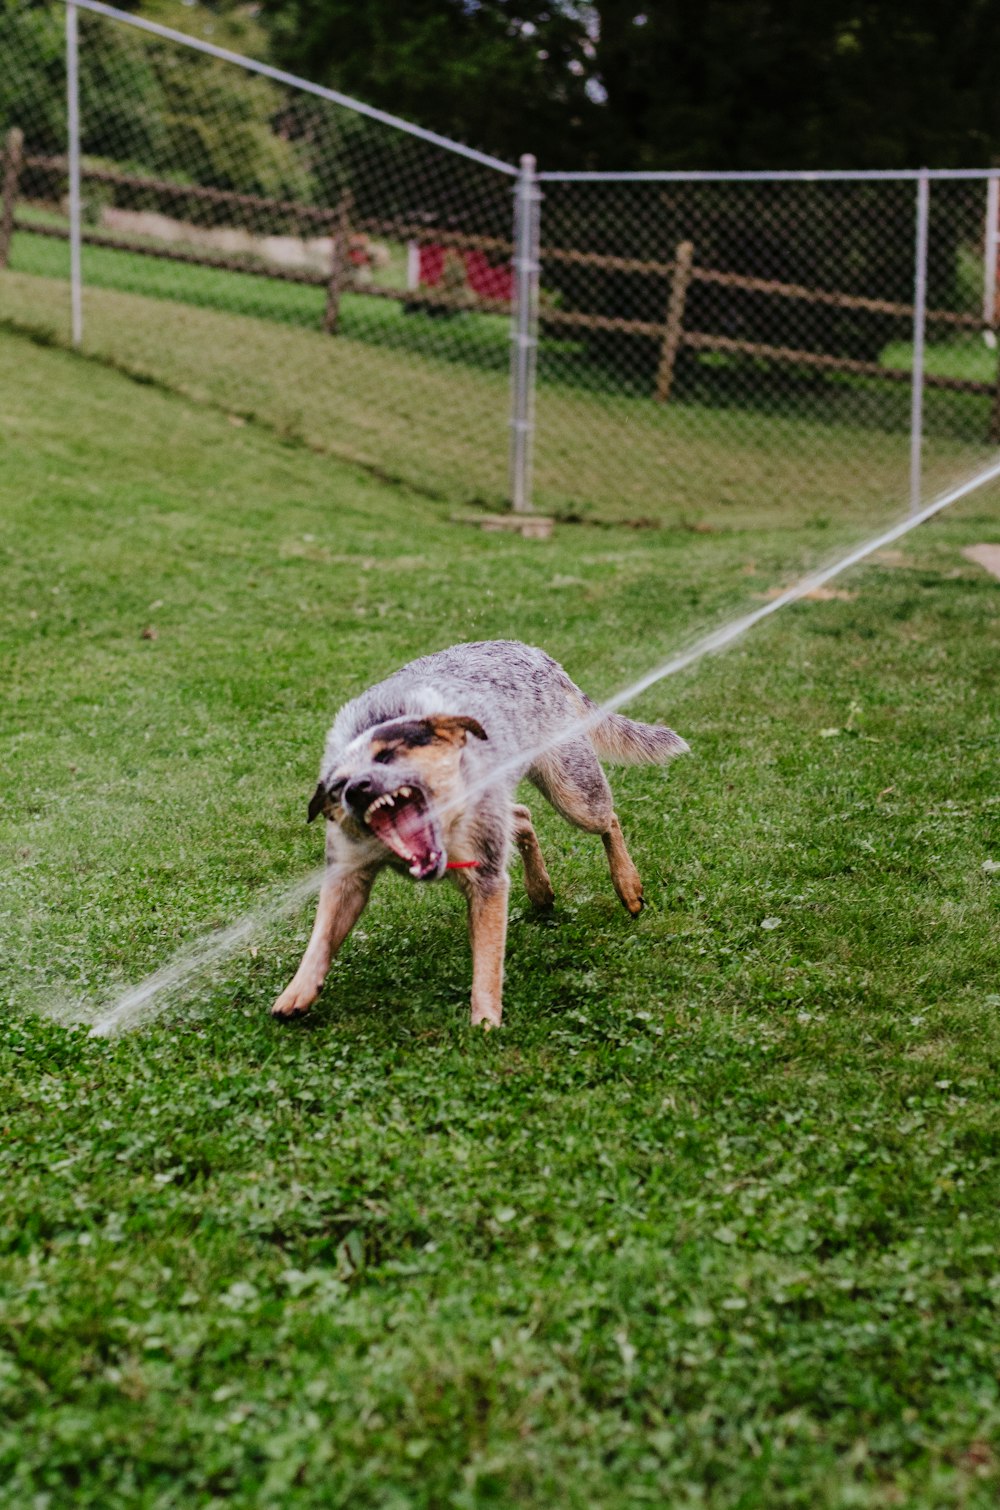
520	695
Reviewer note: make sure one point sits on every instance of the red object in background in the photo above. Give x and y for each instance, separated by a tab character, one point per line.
486	279
431	265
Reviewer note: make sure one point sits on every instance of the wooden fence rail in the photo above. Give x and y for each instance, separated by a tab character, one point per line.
831	297
429	298
340	221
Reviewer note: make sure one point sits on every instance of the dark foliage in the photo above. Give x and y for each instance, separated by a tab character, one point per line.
670	83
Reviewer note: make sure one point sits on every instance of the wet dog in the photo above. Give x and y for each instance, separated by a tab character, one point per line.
419	774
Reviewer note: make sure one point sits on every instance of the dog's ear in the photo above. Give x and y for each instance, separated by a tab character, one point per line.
455	726
317	802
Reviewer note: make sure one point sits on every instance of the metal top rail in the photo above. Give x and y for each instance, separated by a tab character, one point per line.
766	175
281	77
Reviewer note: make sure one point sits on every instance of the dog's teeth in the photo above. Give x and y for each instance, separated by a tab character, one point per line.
405	791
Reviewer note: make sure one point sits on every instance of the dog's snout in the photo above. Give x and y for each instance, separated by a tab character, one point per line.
359	791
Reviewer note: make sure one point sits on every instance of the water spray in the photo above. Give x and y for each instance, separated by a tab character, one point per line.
154	993
145	1000
728	634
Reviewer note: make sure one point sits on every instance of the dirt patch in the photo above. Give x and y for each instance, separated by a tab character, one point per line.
986	556
815	595
892	558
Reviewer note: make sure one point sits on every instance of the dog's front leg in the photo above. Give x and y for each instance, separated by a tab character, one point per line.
488	937
342	900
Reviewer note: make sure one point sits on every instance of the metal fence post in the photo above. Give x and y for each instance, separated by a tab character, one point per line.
524	334
73	122
919	322
991	246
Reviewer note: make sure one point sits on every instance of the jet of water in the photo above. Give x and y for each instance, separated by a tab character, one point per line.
142	1002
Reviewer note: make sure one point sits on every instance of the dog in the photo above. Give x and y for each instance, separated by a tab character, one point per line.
419	775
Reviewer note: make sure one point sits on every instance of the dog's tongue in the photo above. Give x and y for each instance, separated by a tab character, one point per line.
405	830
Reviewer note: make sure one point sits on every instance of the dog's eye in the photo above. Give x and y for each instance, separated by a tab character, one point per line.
384	757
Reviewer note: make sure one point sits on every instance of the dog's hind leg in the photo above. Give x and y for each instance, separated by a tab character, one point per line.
536	877
342	900
624	876
573	781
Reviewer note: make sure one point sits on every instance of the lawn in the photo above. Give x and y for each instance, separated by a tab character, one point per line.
711	1222
425	401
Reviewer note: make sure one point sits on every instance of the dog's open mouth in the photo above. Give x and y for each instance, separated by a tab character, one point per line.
401	821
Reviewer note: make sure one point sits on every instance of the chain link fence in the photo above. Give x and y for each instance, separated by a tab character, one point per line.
266	249
710	351
753	339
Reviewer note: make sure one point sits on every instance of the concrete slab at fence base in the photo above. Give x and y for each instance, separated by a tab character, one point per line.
986	556
530	526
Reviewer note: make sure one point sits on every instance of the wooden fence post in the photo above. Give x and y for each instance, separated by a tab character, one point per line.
674	327
13	154
993	433
339	267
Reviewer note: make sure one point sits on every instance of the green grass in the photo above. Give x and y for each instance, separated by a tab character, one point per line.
965	357
711	1222
426	401
476	339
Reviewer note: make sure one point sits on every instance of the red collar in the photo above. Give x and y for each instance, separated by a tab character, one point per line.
462	865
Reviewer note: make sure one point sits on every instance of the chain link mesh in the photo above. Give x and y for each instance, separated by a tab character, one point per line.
335	277
742	351
711	353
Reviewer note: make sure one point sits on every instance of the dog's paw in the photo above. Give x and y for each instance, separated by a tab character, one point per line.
628	885
542	897
488	1021
294	1001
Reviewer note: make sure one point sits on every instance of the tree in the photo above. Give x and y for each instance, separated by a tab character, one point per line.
504	76
709	84
798	83
669	83
143	102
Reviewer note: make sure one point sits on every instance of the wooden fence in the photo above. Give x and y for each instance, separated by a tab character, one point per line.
340	222
682	271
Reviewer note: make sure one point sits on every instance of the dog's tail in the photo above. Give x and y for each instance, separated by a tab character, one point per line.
627	742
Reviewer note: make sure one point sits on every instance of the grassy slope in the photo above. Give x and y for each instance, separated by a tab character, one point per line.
712	1221
426	401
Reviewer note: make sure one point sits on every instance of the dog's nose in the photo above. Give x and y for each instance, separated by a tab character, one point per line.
358	792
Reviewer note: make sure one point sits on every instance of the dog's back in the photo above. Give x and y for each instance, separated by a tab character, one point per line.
520	696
